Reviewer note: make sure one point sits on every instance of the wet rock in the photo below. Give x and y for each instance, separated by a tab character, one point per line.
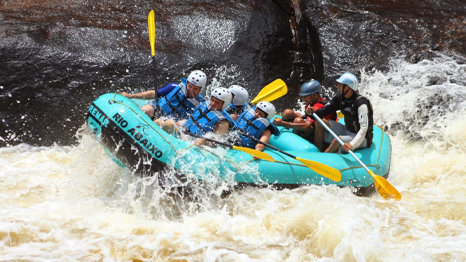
58	56
358	35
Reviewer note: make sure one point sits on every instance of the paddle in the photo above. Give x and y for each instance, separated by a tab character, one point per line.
272	91
319	168
250	151
384	188
151	22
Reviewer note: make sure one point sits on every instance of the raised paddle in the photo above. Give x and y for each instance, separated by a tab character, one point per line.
151	22
250	151
385	189
272	91
319	168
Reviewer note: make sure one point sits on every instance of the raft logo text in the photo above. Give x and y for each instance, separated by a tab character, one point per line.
137	135
98	115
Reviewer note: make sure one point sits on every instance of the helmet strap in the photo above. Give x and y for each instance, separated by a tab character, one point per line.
266	115
345	91
317	98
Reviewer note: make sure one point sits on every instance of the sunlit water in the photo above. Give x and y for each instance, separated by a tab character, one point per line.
75	204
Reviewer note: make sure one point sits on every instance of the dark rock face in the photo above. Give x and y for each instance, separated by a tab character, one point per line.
364	34
58	56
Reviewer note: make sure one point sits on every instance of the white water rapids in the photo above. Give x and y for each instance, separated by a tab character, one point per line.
75	204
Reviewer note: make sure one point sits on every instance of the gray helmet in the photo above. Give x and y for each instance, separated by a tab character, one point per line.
310	87
349	80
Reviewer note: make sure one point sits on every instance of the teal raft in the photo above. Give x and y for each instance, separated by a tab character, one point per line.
133	140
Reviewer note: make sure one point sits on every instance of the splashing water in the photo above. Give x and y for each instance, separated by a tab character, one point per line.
424	101
73	203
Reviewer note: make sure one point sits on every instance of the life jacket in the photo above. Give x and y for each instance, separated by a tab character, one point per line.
203	120
318	105
232	109
176	104
254	127
352	119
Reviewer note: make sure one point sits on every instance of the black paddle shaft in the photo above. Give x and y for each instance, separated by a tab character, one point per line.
258	141
211	140
155	77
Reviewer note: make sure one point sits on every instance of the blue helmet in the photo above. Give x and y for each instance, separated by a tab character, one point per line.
349	80
309	88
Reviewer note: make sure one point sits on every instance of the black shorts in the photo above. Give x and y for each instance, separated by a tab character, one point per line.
158	113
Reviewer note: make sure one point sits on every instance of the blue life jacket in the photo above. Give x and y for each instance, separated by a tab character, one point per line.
254	127
203	119
177	105
232	109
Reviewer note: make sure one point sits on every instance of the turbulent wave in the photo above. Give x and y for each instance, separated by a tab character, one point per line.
74	203
422	101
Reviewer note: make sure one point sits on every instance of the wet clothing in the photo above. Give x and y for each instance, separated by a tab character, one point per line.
358	116
203	120
174	102
163	91
254	127
232	109
318	105
346	136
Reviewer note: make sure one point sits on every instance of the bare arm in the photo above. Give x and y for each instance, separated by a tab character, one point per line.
234	116
265	137
143	95
278	122
219	129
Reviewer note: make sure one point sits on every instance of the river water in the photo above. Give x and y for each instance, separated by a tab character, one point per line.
72	203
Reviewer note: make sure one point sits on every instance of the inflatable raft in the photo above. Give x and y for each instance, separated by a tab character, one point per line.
132	139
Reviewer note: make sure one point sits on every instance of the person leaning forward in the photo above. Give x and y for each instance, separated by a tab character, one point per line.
239	102
175	100
301	124
207	119
357	131
257	123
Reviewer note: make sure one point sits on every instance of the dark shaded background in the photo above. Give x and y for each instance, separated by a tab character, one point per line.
56	57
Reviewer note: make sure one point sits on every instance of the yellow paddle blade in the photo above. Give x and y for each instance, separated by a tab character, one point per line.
272	91
385	189
321	169
255	153
151	22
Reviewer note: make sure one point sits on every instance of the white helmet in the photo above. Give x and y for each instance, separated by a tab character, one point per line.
223	94
268	108
349	80
241	95
197	78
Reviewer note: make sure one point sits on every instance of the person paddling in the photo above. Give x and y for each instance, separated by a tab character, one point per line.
239	102
310	93
207	118
175	100
356	133
257	123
